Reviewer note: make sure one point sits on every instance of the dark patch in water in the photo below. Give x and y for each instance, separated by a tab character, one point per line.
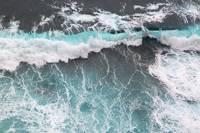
30	12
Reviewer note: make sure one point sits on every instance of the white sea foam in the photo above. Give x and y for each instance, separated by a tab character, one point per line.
40	118
155	6
16	46
42	51
179	71
101	19
183	42
106	20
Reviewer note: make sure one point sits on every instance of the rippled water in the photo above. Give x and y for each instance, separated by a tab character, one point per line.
93	66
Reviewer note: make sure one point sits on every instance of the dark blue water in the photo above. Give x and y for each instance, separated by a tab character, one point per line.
99	66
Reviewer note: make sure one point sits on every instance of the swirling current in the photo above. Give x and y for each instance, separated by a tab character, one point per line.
91	66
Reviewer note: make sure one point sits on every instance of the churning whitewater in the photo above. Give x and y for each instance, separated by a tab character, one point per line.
123	66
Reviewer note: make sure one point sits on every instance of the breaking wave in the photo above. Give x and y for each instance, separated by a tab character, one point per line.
86	67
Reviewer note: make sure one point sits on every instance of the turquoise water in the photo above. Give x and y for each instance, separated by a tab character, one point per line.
78	38
110	91
84	37
184	32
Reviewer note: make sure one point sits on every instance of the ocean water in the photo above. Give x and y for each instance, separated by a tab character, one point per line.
99	66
